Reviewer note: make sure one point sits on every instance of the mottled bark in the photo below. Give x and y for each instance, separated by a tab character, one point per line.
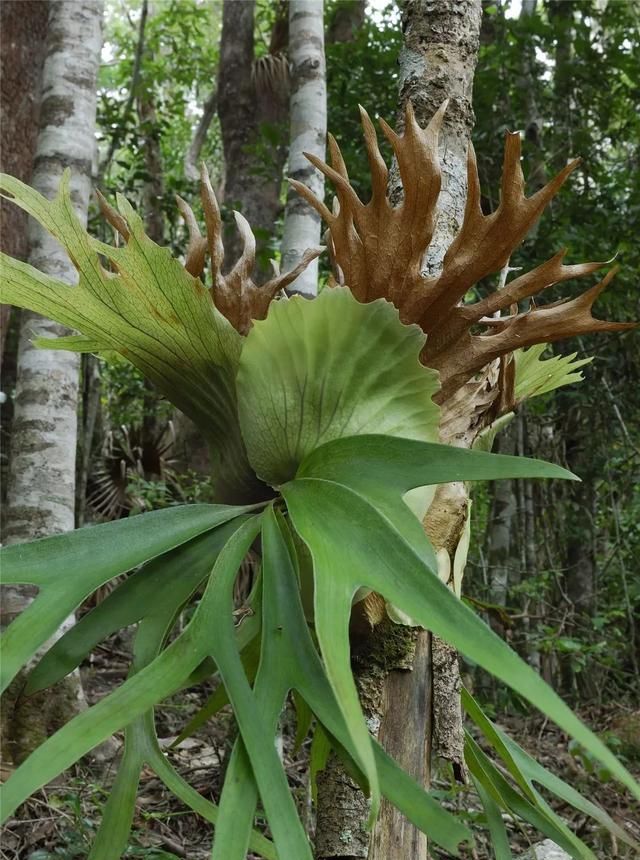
251	95
308	121
418	712
347	17
437	61
43	456
23	25
41	491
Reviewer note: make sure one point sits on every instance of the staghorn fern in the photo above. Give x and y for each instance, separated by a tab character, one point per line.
323	417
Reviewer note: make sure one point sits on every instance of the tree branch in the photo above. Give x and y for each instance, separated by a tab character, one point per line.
191	168
135	78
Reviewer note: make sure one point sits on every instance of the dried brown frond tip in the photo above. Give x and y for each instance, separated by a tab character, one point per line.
235	294
378	249
113	217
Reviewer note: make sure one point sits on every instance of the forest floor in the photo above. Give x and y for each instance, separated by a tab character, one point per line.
59	822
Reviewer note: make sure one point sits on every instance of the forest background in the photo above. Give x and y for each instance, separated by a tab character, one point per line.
555	568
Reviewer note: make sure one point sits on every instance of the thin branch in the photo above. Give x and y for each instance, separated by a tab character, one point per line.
191	159
135	78
618	414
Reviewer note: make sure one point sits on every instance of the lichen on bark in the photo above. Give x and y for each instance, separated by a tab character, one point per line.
41	483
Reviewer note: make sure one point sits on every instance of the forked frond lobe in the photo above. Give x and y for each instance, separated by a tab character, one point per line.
235	294
377	250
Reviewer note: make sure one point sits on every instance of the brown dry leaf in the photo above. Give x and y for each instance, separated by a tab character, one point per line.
235	294
374	608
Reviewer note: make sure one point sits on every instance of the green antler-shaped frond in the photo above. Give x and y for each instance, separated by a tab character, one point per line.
535	375
149	308
145	306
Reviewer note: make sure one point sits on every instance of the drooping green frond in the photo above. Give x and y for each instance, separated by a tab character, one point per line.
67	568
536	376
526	772
354	544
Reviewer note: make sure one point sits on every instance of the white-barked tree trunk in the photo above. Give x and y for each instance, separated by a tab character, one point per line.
308	134
41	483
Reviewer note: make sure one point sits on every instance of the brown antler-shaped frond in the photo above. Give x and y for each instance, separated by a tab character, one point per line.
235	294
546	324
378	249
113	217
458	354
197	247
485	242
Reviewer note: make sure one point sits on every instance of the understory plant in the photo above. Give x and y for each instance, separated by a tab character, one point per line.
326	420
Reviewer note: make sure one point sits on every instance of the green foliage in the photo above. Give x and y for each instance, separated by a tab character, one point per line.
295	393
359	539
313	393
535	376
177	73
573	68
363	71
344	501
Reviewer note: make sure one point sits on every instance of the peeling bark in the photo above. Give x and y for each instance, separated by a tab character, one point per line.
342	807
41	484
308	110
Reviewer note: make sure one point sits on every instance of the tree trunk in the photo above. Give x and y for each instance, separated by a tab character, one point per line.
346	19
437	61
153	188
580	566
252	94
41	492
308	109
23	25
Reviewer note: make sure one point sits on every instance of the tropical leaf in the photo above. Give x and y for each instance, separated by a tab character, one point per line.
289	660
250	656
146	688
183	570
316	371
536	376
68	567
158	588
385	470
540	815
149	309
526	771
354	545
499	838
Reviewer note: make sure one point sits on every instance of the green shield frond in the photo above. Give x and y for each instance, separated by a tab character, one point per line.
333	367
